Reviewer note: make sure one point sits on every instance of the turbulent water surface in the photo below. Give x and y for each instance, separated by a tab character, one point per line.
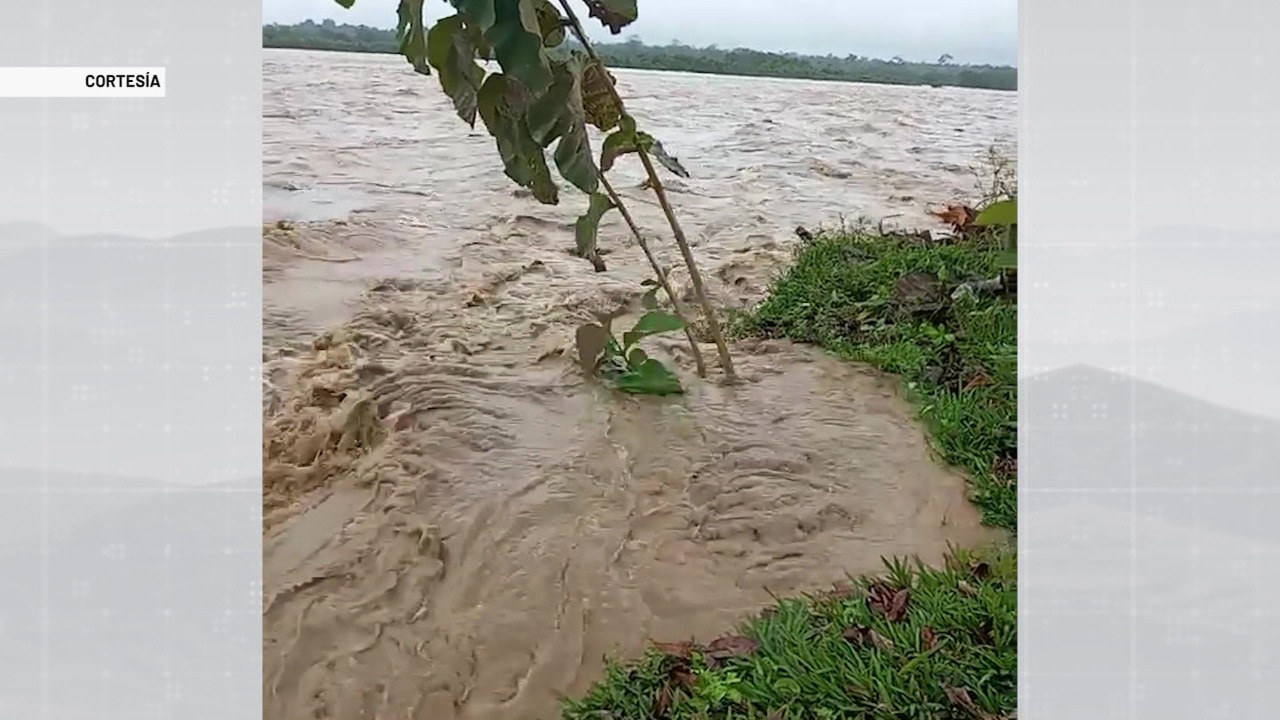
458	525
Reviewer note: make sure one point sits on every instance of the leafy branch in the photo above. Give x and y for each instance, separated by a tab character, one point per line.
540	99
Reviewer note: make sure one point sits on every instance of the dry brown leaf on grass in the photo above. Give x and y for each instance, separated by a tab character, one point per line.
681	650
890	602
662	702
928	638
864	636
731	646
960	698
959	217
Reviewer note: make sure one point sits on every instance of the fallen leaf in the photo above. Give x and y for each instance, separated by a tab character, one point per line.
841	591
662	702
1006	467
731	646
887	601
898	606
928	638
959	217
682	676
682	650
960	698
862	636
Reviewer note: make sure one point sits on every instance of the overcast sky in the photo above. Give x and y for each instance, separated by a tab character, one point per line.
973	31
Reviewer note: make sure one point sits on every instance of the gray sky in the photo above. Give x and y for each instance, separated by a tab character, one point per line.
976	31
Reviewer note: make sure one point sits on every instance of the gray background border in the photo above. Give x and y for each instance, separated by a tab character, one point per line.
130	307
131	545
1148	421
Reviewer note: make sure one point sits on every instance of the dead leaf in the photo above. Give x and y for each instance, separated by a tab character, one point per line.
1006	468
898	606
682	676
662	702
959	217
979	379
863	636
928	638
682	650
731	646
887	601
966	589
960	698
841	591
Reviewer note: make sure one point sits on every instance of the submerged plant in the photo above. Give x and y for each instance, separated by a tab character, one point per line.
542	98
622	362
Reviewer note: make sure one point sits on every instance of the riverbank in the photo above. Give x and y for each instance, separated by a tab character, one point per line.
904	305
914	641
681	58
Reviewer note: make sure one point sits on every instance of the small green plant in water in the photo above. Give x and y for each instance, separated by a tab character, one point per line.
622	362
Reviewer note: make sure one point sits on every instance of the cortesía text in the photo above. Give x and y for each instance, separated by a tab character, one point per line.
122	80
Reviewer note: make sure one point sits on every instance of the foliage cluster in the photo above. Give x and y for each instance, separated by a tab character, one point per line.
540	99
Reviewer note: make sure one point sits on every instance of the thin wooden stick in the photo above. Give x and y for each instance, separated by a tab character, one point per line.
698	361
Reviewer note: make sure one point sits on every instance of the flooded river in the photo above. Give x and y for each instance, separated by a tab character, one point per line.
458	525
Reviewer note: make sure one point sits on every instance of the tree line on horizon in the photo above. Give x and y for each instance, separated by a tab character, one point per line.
675	56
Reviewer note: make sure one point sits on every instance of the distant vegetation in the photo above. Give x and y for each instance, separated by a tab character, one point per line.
329	35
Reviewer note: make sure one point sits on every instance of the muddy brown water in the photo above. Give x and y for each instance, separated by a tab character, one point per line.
458	525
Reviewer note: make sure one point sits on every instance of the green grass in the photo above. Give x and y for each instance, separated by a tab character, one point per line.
959	364
950	654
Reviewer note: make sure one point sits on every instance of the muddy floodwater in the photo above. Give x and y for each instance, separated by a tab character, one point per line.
457	523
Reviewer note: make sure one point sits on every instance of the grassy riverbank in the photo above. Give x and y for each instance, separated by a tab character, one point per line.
683	58
917	642
888	300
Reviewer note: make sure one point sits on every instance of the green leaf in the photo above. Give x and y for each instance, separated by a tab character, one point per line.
503	104
650	282
550	23
451	52
613	14
650	378
627	141
411	35
346	3
649	301
479	12
1004	212
1007	260
592	341
586	230
669	162
559	114
636	358
652	323
614	146
517	44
